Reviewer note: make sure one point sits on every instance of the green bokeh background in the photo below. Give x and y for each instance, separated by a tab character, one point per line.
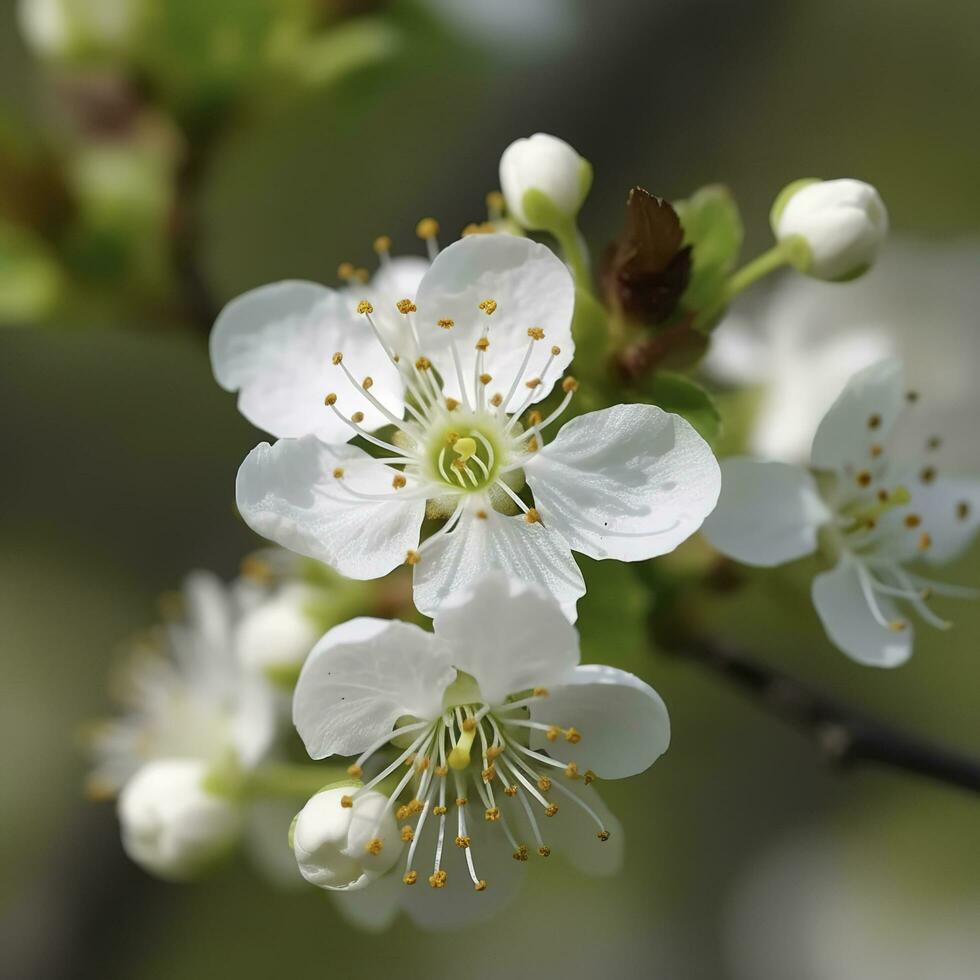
120	453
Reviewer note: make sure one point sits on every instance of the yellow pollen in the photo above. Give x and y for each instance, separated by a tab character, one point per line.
461	801
412	557
485	379
367	383
555	351
483	343
540	692
481	514
897	625
398	481
451	404
535	333
405	306
462	842
471	229
469	725
492	815
544	851
337	358
354	772
497	400
410	761
494	752
480	886
357	418
415	806
544	784
255	569
876	451
510	790
347	802
603	835
569	384
589	777
364	307
423	364
571	770
427	228
438	879
489	306
440	811
532	516
551	810
411	878
928	474
331	399
407	834
533	383
552	733
345	270
495	201
442	770
925	541
532	444
402	813
573	735
874	422
464	447
422	764
913	520
446	324
488	774
361	275
863	478
521	853
382	244
534	417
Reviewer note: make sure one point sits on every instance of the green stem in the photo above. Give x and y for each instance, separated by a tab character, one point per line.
282	780
759	267
571	248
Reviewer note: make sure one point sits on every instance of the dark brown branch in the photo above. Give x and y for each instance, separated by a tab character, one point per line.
846	736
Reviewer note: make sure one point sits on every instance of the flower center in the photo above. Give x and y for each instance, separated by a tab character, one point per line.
467	453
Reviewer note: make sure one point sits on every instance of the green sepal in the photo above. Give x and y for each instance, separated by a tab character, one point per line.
682	396
783	197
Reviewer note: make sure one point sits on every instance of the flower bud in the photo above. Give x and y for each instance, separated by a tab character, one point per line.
171	825
544	181
833	228
276	636
345	847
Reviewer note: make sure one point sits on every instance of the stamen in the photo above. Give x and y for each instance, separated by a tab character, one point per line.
427	229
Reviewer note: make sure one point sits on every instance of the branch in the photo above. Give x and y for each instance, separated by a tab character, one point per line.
846	736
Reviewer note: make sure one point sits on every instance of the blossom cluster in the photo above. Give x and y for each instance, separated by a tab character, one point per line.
415	415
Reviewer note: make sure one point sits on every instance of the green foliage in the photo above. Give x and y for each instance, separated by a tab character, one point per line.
713	228
679	394
613	615
30	278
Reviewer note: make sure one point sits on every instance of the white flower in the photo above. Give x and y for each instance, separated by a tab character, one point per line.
496	728
842	224
451	374
804	338
543	165
171	824
873	510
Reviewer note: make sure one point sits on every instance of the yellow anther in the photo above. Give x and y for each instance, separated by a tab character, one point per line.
532	444
331	399
485	379
423	364
555	351
462	842
494	752
255	570
382	244
364	307
464	447
354	771
471	229
863	478
468	725
551	810
492	815
423	763
345	270
532	516
571	770
483	344
569	384
897	625
405	306
603	835
925	541
451	404
552	733
361	275
488	774
446	324
874	422
497	400
544	784
534	417
461	801
913	520
438	879
347	802
876	451
407	834
489	306
928	474
589	777
535	333
544	851
573	735
398	481
412	557
338	472
411	878
442	770
427	228
402	813
337	358
963	510
367	383
495	202
440	811
540	692
510	790
521	853
415	806
410	761
357	418
480	886
533	383
882	496
481	515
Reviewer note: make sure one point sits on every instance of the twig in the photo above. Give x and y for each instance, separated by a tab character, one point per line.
846	736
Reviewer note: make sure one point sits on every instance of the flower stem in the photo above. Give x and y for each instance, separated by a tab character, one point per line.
570	242
282	780
741	279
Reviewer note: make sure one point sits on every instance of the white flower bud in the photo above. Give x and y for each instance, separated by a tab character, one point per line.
276	636
543	180
840	225
171	825
345	847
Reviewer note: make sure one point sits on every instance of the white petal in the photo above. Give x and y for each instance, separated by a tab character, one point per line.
532	288
768	512
572	831
395	280
629	482
288	493
372	908
254	722
509	635
862	416
738	355
849	623
529	552
624	723
275	344
950	512
361	677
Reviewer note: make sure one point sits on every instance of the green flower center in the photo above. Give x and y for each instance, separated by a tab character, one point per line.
466	454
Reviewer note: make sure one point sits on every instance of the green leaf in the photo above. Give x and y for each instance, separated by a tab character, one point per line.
613	615
30	277
678	394
713	228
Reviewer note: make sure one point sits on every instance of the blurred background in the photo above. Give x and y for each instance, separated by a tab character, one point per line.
158	158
